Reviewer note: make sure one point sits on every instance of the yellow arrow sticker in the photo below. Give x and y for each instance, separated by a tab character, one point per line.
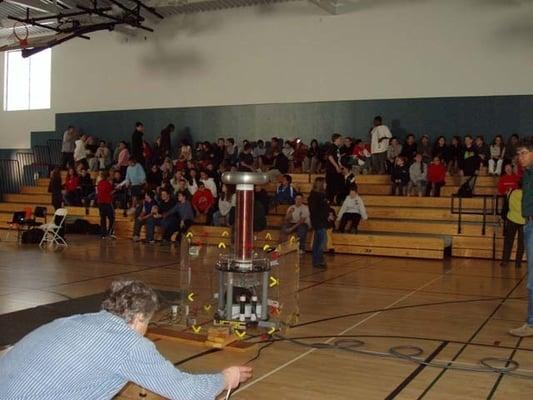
271	331
225	234
189	235
207	307
191	296
266	247
196	329
268	236
221	245
273	281
240	334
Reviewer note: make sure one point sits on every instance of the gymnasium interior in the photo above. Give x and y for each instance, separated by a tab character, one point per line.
417	299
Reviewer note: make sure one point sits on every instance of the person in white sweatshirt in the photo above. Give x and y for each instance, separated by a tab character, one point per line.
352	211
209	183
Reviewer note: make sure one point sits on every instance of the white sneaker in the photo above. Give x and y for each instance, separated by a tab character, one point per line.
524	331
136	239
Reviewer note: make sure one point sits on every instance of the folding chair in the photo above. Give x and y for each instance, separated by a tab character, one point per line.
52	229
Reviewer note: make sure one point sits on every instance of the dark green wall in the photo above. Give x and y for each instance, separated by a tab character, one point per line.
435	116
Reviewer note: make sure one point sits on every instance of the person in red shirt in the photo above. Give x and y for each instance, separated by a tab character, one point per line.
72	195
104	198
203	201
436	177
508	180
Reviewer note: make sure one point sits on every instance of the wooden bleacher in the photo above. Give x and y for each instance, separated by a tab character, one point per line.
397	226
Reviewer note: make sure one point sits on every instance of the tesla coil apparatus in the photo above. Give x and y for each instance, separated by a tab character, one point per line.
243	274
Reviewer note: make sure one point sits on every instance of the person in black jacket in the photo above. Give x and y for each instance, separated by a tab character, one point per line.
55	187
399	177
319	210
469	162
409	148
165	145
137	143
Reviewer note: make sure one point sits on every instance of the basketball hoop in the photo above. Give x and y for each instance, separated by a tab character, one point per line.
22	39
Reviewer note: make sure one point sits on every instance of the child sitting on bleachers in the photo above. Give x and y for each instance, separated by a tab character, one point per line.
285	193
399	177
361	156
352	211
436	177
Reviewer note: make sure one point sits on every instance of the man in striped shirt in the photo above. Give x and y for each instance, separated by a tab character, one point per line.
92	356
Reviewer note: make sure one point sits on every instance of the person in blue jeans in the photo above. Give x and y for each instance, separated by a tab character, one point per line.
525	157
319	210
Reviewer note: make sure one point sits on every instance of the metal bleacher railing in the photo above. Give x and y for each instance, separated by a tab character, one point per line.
28	166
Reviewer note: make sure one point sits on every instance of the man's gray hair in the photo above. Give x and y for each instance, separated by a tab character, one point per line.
126	298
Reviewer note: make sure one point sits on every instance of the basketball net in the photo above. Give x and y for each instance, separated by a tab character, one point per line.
21	38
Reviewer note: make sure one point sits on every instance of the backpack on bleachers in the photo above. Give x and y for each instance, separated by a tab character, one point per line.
467	190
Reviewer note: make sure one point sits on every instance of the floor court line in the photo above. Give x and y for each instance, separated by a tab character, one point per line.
339	334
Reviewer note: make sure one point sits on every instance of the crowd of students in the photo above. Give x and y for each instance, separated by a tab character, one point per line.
169	187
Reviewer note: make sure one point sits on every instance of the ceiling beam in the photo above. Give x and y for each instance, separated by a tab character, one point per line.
35	5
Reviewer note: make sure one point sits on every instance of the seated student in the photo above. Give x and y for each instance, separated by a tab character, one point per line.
418	176
93	356
513	225
348	180
226	202
352	211
399	177
246	159
72	189
162	217
184	214
104	197
135	180
154	177
203	201
103	155
508	180
262	196
120	194
209	183
497	155
144	213
182	188
285	193
297	219
362	157
87	188
280	162
436	177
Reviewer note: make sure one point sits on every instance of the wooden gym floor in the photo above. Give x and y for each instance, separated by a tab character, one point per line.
387	295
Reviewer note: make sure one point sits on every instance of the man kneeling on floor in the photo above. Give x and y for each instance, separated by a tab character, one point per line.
92	356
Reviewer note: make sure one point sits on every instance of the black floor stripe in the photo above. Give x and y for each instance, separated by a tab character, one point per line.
498	381
440	375
416	372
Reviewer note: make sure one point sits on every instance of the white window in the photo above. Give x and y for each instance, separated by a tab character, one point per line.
27	81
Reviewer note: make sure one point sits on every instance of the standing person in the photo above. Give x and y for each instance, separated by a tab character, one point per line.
135	180
297	219
103	155
418	176
525	157
513	225
55	187
104	198
319	212
137	144
436	177
93	356
165	145
352	211
67	148
80	152
333	167
312	159
380	136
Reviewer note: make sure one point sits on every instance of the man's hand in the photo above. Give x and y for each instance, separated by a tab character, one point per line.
234	376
